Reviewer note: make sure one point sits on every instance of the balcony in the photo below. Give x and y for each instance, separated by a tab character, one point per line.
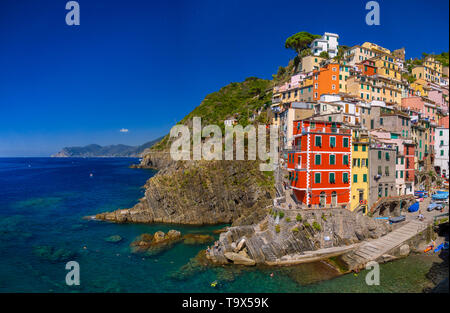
328	130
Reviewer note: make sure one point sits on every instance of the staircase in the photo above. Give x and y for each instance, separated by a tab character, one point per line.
372	250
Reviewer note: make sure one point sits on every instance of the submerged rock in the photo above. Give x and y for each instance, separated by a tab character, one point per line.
113	239
197	239
195	265
53	254
152	244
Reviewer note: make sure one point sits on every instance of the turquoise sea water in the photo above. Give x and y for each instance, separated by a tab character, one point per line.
42	205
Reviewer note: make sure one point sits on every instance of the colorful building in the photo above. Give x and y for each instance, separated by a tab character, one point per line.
319	164
326	81
360	171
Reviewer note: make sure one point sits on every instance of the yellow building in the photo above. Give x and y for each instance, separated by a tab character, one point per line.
310	63
420	87
344	73
375	48
375	87
360	170
387	67
430	70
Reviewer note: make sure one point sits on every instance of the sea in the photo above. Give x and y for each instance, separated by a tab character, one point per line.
43	202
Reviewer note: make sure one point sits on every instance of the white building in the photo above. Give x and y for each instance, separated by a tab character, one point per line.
328	43
441	151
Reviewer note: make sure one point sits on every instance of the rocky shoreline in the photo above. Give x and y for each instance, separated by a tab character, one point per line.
299	237
199	193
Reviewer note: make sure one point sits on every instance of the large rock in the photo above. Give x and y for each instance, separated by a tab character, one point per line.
238	258
156	243
404	250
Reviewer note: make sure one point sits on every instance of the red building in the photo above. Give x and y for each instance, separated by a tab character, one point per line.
409	166
367	67
319	163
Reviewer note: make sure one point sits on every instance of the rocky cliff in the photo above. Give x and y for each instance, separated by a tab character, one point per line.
207	192
297	234
201	192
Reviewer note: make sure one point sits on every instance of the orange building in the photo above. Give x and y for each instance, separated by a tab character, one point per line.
326	81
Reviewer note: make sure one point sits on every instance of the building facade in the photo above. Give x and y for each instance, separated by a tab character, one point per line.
319	164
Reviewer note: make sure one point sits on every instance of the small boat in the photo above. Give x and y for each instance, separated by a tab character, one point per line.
214	283
428	249
439	248
397	219
91	175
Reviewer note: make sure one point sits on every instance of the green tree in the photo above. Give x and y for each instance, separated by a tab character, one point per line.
324	55
300	41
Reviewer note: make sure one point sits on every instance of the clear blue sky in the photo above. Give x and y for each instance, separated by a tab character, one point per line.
143	65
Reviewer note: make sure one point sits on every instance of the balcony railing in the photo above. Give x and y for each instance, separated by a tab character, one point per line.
333	130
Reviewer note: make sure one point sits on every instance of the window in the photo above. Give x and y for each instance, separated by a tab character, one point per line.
363	148
387	156
381	121
380	191
379	170
379	155
332	178
371	124
345	142
401	174
332	142
345	177
332	159
365	178
355	147
317	159
386	170
345	159
317	178
318	141
386	192
355	178
442	152
402	159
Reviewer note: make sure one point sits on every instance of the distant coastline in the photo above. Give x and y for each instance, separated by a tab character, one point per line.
110	151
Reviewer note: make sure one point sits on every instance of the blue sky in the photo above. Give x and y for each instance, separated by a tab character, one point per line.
143	65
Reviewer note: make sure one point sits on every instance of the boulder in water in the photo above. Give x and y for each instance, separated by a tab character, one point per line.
114	239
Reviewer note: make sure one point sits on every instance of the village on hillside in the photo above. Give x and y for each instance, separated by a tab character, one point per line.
361	127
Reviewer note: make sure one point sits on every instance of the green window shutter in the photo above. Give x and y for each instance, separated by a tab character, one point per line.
332	142
345	159
318	141
317	178
317	159
332	159
442	152
332	178
365	178
363	148
401	174
345	142
345	177
379	155
359	162
403	160
355	147
387	156
396	174
355	178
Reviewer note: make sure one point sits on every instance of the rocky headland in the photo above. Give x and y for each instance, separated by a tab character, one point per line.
300	236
